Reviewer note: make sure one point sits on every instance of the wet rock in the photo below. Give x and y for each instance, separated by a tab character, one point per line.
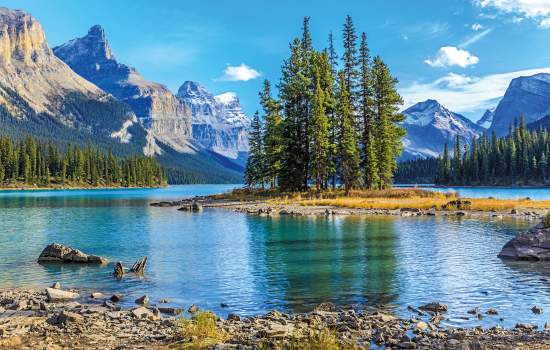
533	245
326	306
144	300
192	207
434	307
537	310
193	309
526	326
115	298
56	285
473	311
170	310
96	295
224	305
233	317
139	266
421	326
57	252
60	295
164	301
491	311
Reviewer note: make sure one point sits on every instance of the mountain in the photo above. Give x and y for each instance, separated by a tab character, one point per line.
429	126
542	123
166	119
486	119
219	123
525	95
41	94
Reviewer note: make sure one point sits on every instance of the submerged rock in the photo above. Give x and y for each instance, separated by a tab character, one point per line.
533	245
57	252
434	307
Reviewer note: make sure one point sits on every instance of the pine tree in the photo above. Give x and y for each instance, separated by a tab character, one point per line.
369	156
255	170
319	131
350	62
389	133
273	136
347	148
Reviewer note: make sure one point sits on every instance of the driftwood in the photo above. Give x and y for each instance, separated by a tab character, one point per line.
139	266
119	270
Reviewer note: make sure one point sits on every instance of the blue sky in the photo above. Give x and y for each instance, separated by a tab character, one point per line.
461	52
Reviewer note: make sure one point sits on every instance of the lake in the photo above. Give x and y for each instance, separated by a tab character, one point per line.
256	264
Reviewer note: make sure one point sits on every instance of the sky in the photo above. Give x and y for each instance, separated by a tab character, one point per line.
461	52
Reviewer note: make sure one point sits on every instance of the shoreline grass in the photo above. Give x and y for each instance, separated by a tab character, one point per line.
391	199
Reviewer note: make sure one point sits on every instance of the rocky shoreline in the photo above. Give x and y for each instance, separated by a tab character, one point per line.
31	319
263	208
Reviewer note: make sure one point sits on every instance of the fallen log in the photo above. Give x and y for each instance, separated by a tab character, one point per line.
139	266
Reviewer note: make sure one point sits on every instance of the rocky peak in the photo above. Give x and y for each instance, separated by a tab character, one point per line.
191	90
487	118
21	37
91	48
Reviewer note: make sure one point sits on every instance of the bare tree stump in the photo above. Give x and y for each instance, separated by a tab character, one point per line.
139	266
119	270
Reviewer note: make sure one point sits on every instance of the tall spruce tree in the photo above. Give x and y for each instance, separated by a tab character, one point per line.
389	132
369	160
347	148
255	166
319	131
273	135
350	62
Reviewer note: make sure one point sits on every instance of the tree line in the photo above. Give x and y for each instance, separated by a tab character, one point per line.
335	120
32	162
519	158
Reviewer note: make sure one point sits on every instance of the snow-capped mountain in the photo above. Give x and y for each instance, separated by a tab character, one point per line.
429	126
219	123
529	96
487	119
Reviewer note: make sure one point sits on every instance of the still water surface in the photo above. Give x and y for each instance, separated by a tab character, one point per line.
256	264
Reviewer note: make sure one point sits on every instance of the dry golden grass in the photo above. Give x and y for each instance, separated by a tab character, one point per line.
200	332
381	199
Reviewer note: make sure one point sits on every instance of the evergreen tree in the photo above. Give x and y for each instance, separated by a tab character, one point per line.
320	143
347	148
255	169
273	136
350	62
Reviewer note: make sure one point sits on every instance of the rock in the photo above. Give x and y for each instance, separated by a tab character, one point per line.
119	270
65	317
56	252
96	295
421	326
143	312
233	317
533	245
473	311
513	211
491	311
56	285
144	300
547	327
193	309
526	326
434	307
326	306
116	297
60	295
170	310
195	207
224	305
537	310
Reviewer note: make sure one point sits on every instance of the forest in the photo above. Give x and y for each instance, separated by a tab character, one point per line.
519	158
30	162
335	120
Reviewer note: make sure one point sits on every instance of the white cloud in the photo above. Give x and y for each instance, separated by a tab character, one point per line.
517	19
477	26
448	56
239	73
474	39
545	23
529	8
534	9
462	93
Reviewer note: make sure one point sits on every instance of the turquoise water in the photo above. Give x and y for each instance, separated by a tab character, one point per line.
256	264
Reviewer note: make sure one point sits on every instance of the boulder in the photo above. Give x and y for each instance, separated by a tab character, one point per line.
533	245
57	252
65	317
434	307
115	298
193	309
60	295
170	310
143	300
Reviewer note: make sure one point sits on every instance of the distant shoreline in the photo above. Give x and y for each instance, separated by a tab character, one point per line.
63	188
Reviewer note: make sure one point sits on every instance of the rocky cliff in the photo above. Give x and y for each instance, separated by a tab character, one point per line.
528	96
164	116
219	123
35	83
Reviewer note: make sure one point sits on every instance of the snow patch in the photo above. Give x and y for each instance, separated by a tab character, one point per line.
123	134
